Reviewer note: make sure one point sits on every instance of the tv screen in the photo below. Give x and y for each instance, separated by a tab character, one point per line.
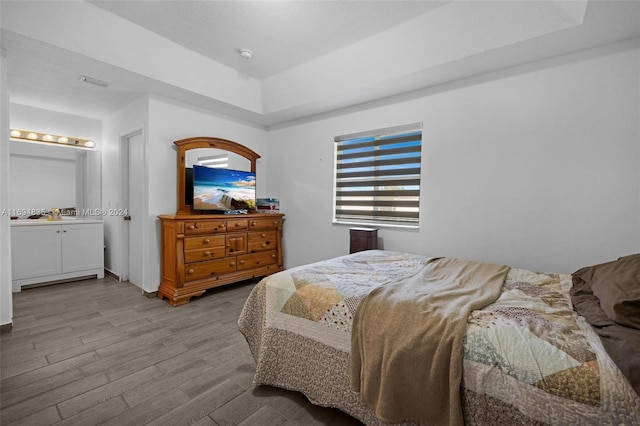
223	189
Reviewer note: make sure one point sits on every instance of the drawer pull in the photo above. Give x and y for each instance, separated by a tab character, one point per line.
273	256
253	224
207	241
232	264
263	235
194	226
242	262
207	253
237	225
265	244
190	271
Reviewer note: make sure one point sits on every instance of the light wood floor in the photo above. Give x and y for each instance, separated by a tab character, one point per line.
98	352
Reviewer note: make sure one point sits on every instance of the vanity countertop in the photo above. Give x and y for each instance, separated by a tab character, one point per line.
45	222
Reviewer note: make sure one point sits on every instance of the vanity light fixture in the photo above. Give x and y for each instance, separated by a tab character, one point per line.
30	136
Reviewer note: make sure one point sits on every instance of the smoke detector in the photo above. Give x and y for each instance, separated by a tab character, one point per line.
245	53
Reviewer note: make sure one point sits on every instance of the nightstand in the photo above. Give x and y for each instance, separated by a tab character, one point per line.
363	239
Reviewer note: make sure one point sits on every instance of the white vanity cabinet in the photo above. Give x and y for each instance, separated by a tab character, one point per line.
43	251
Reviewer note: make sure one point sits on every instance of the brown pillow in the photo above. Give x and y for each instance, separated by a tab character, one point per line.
617	286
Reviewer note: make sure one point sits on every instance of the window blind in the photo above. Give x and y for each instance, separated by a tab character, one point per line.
377	179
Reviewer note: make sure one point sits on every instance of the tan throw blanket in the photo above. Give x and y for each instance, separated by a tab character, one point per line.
406	346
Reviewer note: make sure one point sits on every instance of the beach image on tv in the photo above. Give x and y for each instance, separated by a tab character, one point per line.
223	189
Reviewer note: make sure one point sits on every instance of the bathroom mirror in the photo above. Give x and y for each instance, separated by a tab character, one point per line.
43	177
200	150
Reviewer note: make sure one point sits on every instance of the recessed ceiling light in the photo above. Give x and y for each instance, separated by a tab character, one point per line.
245	53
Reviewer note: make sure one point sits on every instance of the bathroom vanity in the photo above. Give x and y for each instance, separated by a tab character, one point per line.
50	251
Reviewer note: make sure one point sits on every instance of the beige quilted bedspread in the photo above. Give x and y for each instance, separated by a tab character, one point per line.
528	358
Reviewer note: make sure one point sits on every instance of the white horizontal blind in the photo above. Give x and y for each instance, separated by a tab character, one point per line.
378	176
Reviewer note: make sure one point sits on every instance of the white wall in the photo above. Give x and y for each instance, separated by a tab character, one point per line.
535	166
30	118
6	299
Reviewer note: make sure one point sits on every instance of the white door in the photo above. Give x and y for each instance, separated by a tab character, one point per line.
133	196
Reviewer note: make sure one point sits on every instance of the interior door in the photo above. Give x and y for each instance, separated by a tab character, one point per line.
134	198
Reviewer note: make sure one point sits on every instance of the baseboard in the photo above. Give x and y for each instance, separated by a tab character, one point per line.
60	281
149	294
6	328
112	274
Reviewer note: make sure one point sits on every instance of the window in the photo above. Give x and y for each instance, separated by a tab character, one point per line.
377	179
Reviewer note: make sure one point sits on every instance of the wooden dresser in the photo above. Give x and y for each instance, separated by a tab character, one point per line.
204	251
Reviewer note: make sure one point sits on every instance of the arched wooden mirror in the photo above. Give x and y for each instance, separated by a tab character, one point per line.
195	150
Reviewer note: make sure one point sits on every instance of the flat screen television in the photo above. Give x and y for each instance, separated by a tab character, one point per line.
223	190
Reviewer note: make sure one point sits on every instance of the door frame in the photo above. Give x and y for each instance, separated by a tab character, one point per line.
124	202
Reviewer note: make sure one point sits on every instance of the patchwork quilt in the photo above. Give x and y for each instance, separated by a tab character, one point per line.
528	358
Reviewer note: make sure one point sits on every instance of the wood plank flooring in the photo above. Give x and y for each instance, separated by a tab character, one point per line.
98	352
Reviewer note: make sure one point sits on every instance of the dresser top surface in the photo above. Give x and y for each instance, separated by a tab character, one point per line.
220	216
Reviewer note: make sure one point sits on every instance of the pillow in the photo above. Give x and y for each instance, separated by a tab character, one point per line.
587	304
617	286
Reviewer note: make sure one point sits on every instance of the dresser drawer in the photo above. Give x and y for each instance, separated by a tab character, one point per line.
261	241
205	227
254	260
206	247
212	268
207	241
201	255
237	225
265	223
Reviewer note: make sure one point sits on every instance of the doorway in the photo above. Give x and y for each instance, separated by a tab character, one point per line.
132	206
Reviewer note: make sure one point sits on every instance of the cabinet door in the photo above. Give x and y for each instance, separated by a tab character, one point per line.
35	251
236	244
82	247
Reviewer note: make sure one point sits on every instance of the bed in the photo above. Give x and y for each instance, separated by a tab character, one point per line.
525	356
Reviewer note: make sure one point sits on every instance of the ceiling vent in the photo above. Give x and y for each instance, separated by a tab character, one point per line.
94	81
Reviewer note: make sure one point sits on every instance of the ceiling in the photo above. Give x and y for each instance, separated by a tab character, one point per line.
310	57
281	34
